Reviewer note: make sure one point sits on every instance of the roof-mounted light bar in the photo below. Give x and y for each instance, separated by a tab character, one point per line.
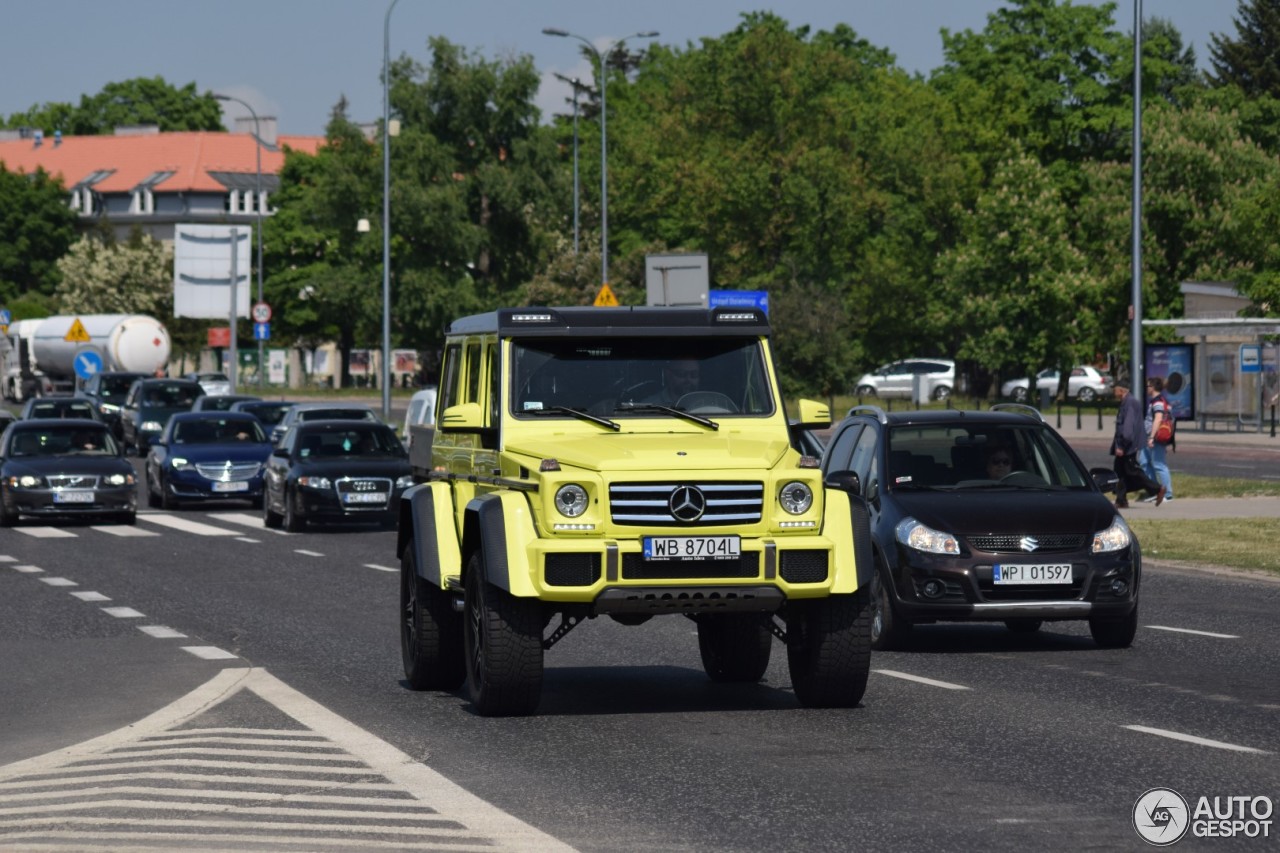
539	317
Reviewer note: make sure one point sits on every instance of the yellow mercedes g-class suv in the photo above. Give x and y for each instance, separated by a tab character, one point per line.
629	463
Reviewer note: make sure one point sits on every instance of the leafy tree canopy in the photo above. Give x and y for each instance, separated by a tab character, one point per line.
1251	60
142	100
36	227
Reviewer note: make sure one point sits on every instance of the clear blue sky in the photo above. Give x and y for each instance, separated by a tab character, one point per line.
293	59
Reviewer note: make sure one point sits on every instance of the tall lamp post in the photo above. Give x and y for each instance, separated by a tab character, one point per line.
386	213
602	59
1136	378
257	206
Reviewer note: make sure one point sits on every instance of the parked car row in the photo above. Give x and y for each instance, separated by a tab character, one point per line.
1085	384
935	379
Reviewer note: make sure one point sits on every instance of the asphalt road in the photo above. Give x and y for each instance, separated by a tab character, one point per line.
292	728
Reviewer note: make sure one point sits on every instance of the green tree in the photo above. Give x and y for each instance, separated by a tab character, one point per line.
1015	282
36	227
1252	59
135	277
142	100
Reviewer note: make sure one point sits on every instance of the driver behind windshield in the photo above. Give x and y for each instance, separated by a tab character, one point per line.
999	461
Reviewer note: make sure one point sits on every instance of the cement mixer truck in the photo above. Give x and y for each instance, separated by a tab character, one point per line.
51	353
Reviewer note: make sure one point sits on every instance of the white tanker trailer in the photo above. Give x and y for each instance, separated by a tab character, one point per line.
48	350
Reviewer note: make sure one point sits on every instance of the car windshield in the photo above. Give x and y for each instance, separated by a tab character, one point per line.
114	388
333	415
62	441
268	413
982	456
170	395
62	409
639	376
346	443
217	431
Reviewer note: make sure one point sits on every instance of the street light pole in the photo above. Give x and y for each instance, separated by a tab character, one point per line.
577	87
257	206
602	59
386	213
1136	367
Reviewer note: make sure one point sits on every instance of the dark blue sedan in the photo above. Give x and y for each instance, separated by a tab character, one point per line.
204	456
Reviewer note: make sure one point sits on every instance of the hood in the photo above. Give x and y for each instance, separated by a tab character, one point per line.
703	449
370	466
237	451
1013	511
70	465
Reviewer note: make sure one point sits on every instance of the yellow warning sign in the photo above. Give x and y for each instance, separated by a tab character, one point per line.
77	333
605	298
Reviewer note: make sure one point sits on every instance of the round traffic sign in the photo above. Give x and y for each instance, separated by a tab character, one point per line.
261	312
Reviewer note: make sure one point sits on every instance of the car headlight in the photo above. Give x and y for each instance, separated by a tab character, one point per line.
796	497
404	482
921	537
151	426
1114	538
26	481
108	408
315	482
571	500
119	479
179	462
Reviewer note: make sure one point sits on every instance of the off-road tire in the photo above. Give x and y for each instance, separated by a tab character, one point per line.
430	631
735	647
1115	633
503	647
829	649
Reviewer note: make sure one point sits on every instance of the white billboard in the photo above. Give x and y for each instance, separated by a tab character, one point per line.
202	264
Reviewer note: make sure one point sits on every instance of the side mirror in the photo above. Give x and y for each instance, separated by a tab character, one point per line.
814	415
1104	478
847	481
465	417
280	453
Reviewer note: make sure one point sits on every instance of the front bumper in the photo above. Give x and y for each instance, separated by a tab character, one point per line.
937	588
315	504
191	486
51	502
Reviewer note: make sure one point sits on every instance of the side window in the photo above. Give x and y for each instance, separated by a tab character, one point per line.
132	400
473	373
491	376
842	448
864	458
450	390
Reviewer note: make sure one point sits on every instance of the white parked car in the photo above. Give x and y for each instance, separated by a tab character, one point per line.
214	384
421	412
898	379
1085	384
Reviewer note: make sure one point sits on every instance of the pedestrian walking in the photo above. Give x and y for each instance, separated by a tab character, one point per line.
1130	437
1152	457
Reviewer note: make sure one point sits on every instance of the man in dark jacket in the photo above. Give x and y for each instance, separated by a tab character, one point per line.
1130	437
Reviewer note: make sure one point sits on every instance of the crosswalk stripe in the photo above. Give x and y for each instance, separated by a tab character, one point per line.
123	530
46	532
186	525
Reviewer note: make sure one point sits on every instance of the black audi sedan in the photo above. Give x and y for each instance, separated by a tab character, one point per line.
987	517
352	471
203	456
64	467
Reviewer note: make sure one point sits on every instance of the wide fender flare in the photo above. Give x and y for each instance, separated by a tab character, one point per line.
426	516
848	526
501	526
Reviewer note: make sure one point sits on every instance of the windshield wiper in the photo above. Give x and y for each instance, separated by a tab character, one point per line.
669	410
577	413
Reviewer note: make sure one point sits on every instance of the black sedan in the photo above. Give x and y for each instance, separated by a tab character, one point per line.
352	471
204	456
985	516
64	467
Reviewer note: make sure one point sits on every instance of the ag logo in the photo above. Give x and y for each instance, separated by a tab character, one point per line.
1161	816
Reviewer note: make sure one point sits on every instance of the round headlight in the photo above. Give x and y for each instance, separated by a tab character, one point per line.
28	482
796	497
571	500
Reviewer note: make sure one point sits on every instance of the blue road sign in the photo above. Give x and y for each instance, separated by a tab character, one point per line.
262	331
87	363
1250	358
5	317
739	299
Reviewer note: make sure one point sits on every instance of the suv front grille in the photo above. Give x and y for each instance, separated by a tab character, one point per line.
1012	543
651	504
228	472
636	567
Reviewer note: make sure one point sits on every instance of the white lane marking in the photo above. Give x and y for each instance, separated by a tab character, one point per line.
46	532
246	538
475	823
30	570
59	581
5	558
160	632
209	652
122	612
124	529
303	551
254	521
375	565
92	596
1216	744
946	685
187	525
1197	633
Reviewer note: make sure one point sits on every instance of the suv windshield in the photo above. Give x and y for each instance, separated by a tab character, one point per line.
959	456
638	376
